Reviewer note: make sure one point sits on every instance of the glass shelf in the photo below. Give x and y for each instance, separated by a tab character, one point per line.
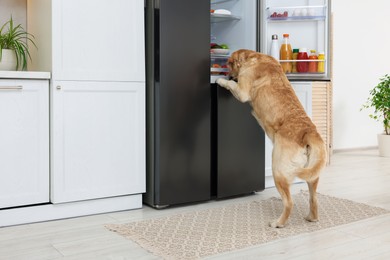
219	56
217	18
301	60
297	13
296	18
219	70
214	2
304	73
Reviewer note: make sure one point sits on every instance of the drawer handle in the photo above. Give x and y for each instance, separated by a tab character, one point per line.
58	87
11	87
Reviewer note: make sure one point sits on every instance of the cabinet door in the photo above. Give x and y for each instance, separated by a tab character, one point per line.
24	142
98	140
303	90
98	40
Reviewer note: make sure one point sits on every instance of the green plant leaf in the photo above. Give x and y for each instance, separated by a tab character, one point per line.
379	100
16	38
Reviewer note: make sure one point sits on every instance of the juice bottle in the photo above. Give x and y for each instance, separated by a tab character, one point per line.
313	64
286	54
321	64
294	63
302	66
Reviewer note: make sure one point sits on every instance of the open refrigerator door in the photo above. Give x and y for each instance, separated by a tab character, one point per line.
307	24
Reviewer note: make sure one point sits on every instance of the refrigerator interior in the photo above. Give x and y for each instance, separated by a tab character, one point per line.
237	31
307	23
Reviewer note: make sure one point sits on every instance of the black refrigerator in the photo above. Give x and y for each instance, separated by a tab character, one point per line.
202	143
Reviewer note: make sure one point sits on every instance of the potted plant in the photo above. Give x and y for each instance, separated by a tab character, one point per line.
13	46
379	99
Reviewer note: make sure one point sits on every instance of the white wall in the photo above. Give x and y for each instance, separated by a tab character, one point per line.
16	8
361	56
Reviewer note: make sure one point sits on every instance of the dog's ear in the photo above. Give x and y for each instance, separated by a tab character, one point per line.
233	61
243	56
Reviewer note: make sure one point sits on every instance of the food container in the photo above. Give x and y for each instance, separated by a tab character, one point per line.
220	51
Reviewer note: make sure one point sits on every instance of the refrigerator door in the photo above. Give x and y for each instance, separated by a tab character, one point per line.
240	146
179	102
308	24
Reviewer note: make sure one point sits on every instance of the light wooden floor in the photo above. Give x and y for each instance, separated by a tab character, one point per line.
360	176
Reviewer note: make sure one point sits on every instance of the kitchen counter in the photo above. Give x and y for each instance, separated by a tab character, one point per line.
24	75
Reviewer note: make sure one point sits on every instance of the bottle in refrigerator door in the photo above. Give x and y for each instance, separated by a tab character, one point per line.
274	51
286	54
321	64
302	66
294	63
313	63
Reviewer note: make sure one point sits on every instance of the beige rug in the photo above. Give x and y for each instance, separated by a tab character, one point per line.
197	234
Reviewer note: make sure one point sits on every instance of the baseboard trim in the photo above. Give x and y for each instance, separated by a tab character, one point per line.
365	148
39	213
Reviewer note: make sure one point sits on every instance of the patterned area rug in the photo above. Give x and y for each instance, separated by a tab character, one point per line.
197	234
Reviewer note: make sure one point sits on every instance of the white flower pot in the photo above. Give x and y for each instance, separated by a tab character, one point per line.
8	60
384	145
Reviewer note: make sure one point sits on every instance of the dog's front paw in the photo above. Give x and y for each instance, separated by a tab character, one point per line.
222	82
275	224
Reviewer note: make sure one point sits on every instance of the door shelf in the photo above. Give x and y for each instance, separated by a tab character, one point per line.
301	61
298	13
304	73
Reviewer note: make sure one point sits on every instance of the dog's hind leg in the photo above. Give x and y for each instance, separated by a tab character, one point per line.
283	186
313	215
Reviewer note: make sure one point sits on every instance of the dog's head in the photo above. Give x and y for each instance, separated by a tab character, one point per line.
261	64
237	60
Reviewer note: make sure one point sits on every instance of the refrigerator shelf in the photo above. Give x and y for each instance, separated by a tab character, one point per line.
296	13
296	18
213	78
301	60
219	70
219	56
217	18
304	73
214	2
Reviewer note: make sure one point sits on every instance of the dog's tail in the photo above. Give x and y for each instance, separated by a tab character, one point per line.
316	157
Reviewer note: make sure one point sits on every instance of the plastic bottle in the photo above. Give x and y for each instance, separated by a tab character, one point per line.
321	64
286	54
274	51
295	57
313	64
302	66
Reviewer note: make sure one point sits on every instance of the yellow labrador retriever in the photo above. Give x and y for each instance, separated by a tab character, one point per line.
299	150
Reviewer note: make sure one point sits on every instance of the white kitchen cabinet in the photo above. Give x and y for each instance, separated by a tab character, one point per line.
88	39
24	142
95	51
303	90
98	140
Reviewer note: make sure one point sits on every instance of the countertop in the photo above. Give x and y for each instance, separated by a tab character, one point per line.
24	75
